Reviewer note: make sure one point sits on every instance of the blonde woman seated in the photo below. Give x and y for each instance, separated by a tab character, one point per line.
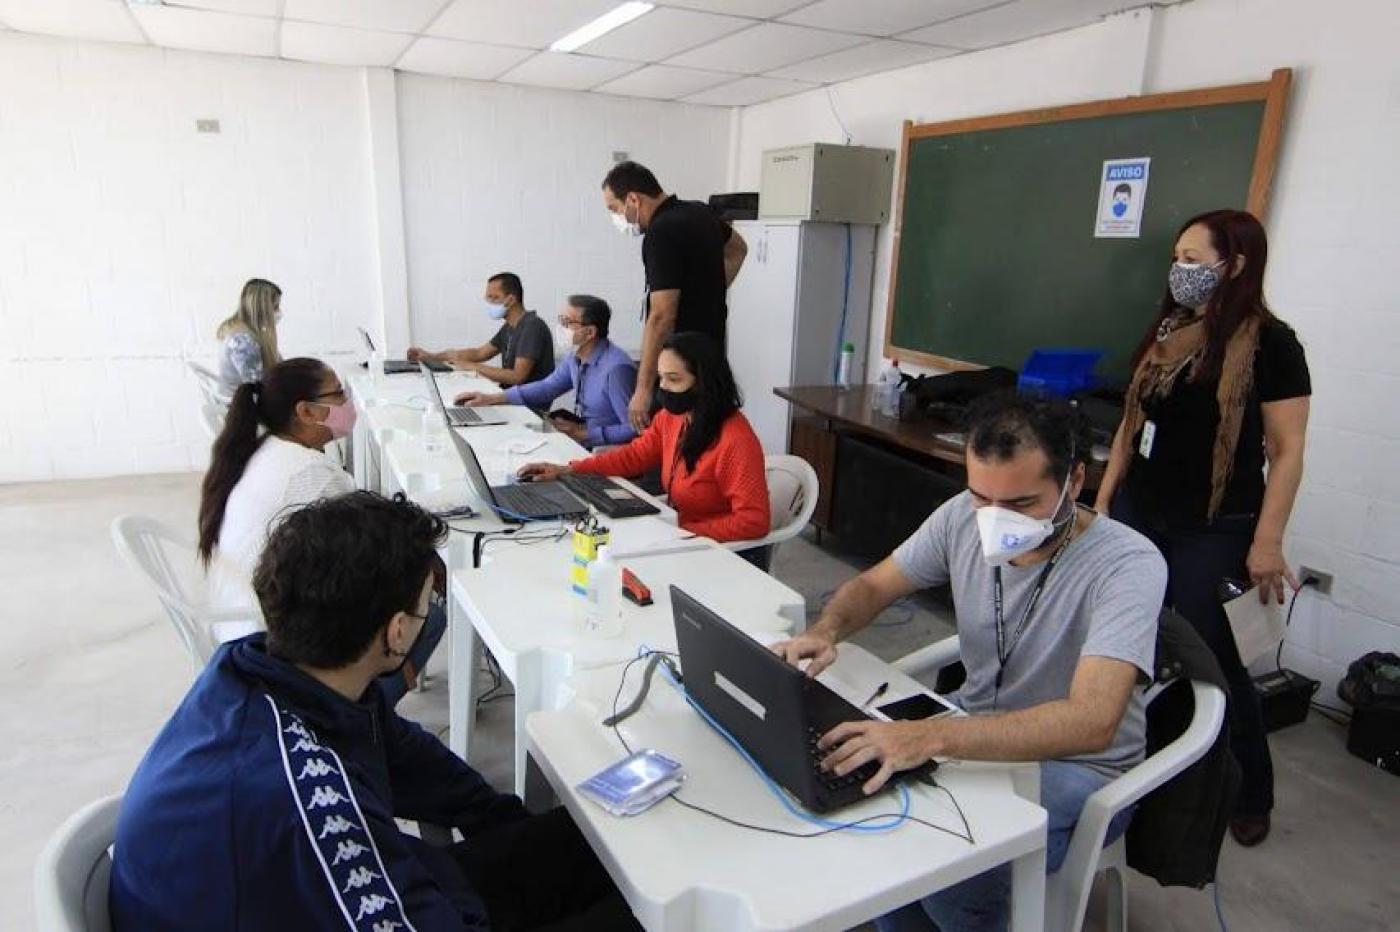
249	336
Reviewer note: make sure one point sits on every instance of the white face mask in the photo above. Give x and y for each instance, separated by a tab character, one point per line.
1007	534
625	226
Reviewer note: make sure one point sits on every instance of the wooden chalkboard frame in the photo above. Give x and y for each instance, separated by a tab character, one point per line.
1273	92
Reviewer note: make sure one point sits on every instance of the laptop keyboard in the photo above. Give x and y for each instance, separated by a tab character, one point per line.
598	491
828	778
460	417
524	500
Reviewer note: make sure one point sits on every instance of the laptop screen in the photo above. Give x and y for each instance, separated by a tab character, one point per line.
435	392
476	476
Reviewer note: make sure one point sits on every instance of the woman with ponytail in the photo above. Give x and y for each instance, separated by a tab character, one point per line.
269	459
269	462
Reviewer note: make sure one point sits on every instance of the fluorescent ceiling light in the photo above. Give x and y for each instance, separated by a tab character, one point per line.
619	15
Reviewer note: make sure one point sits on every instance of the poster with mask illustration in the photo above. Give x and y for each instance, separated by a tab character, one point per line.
1122	191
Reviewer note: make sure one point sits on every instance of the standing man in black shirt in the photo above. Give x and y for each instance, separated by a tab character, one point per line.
524	343
691	257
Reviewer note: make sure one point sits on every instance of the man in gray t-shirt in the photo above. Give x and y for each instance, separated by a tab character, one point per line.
524	342
1056	675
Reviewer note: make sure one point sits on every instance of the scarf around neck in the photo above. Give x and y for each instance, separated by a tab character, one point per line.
1181	351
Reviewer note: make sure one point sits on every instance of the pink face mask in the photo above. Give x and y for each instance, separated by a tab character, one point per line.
341	419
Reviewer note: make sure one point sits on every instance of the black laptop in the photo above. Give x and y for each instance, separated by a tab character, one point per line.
775	711
532	501
400	366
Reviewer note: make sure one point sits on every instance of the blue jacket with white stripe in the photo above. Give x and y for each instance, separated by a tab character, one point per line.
268	802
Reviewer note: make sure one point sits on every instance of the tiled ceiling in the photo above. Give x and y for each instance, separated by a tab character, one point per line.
716	52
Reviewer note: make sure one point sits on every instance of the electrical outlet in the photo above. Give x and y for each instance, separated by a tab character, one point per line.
1323	582
206	126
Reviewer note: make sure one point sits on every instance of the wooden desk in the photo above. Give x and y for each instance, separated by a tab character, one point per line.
850	408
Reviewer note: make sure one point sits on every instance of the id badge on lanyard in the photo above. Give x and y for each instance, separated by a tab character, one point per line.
1149	437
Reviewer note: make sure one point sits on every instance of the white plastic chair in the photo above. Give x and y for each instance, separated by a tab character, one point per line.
792	497
147	545
1067	890
209	385
211	417
71	875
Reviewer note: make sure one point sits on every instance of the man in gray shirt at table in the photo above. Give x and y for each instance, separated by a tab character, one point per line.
1057	618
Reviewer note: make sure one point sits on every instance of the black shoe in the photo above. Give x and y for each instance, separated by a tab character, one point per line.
1250	830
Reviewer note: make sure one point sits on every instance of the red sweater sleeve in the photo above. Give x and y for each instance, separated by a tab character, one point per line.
641	454
739	472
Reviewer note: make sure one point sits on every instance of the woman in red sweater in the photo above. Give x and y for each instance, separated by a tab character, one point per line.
711	461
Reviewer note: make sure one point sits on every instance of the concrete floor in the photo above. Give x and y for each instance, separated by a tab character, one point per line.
90	669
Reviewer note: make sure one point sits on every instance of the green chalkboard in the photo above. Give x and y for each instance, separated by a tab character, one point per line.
996	252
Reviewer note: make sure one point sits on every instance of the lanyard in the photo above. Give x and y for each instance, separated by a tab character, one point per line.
578	388
1004	650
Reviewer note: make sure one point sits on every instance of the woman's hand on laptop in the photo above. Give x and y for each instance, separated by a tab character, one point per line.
541	472
895	745
812	646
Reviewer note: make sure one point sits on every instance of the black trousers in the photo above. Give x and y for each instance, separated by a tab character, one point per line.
539	874
1197	559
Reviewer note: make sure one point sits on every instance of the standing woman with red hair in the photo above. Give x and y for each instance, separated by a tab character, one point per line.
1220	389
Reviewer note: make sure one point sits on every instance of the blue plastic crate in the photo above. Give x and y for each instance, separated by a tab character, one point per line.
1060	372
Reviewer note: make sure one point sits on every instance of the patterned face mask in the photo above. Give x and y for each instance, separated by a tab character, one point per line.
1192	284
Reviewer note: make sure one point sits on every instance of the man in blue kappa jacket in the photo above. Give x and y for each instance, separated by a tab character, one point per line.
268	800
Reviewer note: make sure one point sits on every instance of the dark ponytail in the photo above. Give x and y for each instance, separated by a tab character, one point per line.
269	404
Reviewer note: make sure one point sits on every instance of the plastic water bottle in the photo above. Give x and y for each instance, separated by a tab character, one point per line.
843	370
885	386
896	399
434	432
603	614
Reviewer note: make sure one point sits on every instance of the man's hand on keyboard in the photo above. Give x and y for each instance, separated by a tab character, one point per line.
895	745
480	399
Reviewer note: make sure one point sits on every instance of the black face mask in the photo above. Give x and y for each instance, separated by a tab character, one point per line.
677	402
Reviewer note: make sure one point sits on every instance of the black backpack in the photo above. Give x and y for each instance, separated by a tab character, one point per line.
1176	833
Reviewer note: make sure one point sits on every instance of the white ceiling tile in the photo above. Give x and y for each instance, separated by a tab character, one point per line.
566	70
756	9
663	82
100	20
747	91
270	8
453	59
879	55
208	32
662	33
882	17
339	45
386	15
1014	21
763	48
528	23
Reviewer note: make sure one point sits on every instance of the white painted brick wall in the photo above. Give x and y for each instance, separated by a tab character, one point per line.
1333	240
125	237
503	178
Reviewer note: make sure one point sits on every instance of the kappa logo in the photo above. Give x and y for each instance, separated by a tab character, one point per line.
360	877
348	851
300	730
335	825
305	745
369	905
316	767
388	925
325	796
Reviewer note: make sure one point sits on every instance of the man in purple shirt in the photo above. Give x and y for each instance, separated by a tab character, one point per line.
600	374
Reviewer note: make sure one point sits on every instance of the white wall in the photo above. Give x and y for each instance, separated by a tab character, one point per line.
125	237
1333	237
500	178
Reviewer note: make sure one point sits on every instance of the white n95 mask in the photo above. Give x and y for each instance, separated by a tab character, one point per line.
1008	534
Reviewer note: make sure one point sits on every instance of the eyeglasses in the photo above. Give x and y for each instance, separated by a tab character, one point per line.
570	323
342	392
